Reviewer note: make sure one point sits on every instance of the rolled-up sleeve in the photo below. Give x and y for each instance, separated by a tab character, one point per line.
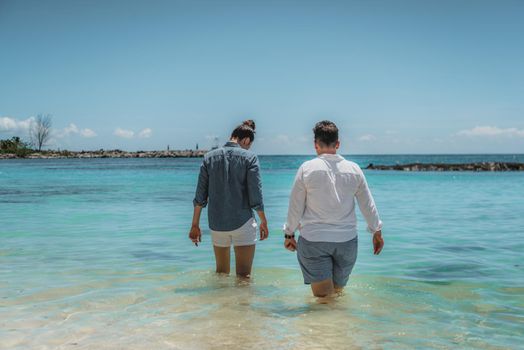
297	204
202	189
367	206
254	185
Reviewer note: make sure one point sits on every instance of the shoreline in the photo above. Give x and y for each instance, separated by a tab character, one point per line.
107	154
407	167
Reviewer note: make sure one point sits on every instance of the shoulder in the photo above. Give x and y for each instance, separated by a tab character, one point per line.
352	166
311	163
352	169
248	155
311	166
211	154
304	166
244	156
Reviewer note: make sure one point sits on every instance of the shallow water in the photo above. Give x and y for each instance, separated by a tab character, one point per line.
94	255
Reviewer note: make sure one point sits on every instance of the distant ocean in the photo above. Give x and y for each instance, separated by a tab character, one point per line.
94	255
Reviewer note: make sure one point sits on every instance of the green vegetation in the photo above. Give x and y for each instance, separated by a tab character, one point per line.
15	146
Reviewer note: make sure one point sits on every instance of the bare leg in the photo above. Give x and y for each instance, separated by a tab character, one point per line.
244	260
339	289
222	259
323	288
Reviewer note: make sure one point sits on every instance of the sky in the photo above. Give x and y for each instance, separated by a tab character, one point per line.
395	76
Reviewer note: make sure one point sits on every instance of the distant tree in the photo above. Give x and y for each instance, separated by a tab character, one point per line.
40	131
16	146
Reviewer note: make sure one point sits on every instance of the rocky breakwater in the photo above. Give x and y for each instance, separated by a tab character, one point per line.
107	154
484	166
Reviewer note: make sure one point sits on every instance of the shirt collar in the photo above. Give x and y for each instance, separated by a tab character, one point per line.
331	156
231	144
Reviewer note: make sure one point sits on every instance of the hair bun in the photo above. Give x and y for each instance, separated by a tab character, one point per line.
250	123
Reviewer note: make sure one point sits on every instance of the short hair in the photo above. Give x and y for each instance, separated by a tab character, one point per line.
326	133
246	129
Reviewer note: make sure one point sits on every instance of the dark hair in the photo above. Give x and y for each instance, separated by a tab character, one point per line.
250	123
246	129
326	132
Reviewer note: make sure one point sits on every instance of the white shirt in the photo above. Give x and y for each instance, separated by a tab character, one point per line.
322	202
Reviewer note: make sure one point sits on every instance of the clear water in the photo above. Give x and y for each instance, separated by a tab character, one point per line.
94	255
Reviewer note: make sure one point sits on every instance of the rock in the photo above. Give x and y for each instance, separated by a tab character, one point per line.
484	166
109	154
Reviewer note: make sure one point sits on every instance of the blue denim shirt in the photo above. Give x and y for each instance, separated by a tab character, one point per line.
229	185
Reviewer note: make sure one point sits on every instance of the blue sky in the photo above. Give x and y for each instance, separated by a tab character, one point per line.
396	76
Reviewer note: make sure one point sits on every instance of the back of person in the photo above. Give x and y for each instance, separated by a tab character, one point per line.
331	183
230	178
229	184
322	208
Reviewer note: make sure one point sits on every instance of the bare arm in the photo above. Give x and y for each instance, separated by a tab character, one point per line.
195	235
264	231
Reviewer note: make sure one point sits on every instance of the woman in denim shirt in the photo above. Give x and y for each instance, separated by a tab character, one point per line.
229	185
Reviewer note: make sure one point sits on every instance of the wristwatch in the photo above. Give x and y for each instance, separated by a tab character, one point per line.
286	236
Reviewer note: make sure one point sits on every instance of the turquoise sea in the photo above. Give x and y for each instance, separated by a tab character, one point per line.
94	254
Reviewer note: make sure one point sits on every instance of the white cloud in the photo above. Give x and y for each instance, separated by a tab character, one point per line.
146	133
12	124
72	129
7	124
491	131
367	137
126	134
129	134
88	133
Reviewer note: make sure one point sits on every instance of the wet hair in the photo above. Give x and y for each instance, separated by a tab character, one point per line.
246	129
326	133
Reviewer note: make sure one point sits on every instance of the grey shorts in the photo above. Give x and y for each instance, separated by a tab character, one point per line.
322	260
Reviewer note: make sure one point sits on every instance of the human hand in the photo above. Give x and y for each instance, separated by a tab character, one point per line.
290	244
195	235
264	231
378	242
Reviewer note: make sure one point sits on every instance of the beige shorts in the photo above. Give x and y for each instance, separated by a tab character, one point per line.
244	235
